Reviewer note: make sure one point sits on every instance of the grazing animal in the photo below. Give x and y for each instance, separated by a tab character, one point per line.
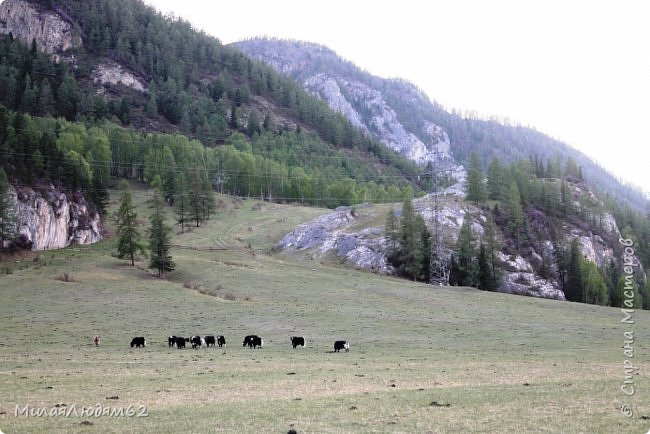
180	341
257	342
196	342
253	341
341	345
210	340
297	340
97	340
138	342
171	341
221	341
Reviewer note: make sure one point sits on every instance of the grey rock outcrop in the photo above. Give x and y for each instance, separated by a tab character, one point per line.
316	232
330	233
530	285
27	22
519	278
114	74
49	219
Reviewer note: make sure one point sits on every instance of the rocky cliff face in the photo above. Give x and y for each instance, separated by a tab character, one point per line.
360	97
49	219
27	22
332	234
366	108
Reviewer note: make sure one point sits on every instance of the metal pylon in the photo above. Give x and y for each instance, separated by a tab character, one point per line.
439	261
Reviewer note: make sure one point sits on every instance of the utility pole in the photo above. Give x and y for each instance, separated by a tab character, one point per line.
439	259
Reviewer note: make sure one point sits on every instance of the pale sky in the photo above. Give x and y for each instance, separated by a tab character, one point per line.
576	70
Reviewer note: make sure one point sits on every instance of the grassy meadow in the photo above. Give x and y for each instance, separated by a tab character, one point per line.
422	359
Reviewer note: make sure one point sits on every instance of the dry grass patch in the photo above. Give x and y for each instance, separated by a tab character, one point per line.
213	292
67	277
234	264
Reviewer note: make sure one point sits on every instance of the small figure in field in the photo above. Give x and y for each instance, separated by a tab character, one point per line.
97	340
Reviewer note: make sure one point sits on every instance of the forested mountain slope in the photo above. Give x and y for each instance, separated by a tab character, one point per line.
121	61
370	101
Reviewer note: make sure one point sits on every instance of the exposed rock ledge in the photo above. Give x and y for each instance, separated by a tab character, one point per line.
26	22
365	249
115	74
49	219
520	279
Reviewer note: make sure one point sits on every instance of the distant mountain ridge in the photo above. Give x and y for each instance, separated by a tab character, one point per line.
400	115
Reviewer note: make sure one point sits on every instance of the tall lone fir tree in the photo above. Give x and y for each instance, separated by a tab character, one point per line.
129	239
8	218
159	238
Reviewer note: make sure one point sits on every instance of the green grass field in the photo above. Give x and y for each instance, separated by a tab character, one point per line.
422	359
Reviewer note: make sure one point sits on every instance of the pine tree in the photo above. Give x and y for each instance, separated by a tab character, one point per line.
424	246
181	202
485	276
617	300
392	233
566	204
554	167
67	97
409	257
594	285
475	186
234	118
560	258
409	243
571	169
8	216
168	182
186	124
45	99
253	123
208	200
515	212
495	180
151	109
622	286
551	198
269	122
454	271
491	245
611	276
159	238
196	199
99	195
574	286
129	239
466	255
